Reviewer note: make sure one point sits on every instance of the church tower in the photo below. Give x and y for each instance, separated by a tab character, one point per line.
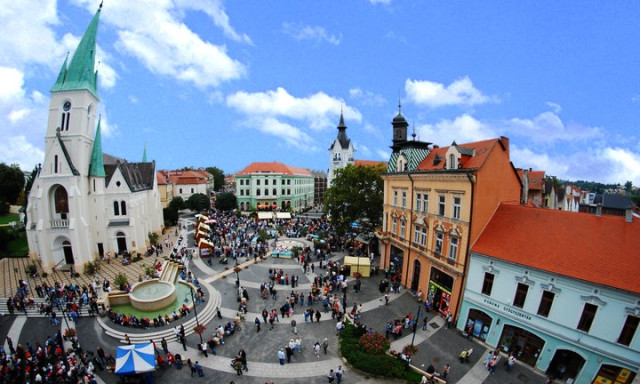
400	126
59	211
340	152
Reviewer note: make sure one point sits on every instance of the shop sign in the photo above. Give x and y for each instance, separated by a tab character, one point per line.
508	309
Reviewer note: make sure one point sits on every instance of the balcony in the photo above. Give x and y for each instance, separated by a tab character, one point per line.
59	223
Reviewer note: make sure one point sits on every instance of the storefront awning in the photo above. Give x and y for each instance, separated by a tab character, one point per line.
204	243
265	215
283	215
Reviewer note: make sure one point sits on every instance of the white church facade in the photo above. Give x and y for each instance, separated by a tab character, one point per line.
341	151
84	203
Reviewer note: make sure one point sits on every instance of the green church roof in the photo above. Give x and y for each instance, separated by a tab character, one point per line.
96	168
80	74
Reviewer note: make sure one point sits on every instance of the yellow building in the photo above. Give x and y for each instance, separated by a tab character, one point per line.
437	200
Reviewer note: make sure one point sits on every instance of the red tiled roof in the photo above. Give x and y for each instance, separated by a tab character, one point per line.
482	149
369	163
161	178
536	179
602	250
274	167
185	177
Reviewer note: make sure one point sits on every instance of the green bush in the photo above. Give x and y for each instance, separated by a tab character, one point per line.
382	365
30	269
153	238
91	268
120	280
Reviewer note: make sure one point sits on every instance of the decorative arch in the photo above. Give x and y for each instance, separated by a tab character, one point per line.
566	364
63	251
121	242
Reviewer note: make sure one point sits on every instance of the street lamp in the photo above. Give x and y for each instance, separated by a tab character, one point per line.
195	311
415	326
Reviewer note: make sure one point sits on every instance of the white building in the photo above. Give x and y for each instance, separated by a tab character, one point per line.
84	203
341	151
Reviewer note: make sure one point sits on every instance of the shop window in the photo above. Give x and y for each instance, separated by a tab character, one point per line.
628	330
586	319
441	204
545	303
487	284
521	295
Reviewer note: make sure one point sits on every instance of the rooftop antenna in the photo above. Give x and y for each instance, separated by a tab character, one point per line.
413	134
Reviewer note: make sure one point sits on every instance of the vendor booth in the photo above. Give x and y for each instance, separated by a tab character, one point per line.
358	264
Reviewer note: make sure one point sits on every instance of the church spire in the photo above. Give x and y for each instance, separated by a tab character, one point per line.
144	153
96	168
80	73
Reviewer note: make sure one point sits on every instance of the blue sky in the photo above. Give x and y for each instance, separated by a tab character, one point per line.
214	83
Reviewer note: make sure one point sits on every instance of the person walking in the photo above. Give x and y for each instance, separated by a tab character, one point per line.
425	323
325	345
318	316
331	376
511	360
198	369
386	298
339	373
257	321
288	352
281	356
203	348
243	359
164	345
237	365
191	366
316	349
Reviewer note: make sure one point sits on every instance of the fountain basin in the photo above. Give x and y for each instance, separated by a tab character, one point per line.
152	295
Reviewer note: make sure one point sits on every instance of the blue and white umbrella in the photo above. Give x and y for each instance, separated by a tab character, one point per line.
136	358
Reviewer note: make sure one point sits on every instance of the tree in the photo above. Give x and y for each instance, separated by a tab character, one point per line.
177	204
356	195
218	178
170	216
628	186
226	201
198	201
11	183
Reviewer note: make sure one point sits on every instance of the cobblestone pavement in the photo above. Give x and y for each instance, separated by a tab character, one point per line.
437	345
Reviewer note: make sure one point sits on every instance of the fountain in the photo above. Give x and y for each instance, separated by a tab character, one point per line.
152	295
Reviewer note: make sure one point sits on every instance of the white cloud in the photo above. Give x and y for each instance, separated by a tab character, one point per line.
308	32
380	1
462	129
173	50
107	129
215	10
548	127
555	107
432	94
319	109
624	165
384	155
17	150
293	136
367	97
362	151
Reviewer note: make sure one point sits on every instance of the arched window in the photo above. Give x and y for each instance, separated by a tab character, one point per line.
274	192
452	161
123	207
257	192
116	208
55	164
61	202
66	116
266	192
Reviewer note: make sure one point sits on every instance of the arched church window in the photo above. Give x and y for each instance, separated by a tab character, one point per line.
116	208
66	116
55	164
123	207
61	202
89	119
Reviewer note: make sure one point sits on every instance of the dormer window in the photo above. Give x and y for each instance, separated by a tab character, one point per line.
401	165
452	161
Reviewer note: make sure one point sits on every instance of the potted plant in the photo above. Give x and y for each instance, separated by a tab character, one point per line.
199	329
69	332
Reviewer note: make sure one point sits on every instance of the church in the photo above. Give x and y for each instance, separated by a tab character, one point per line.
84	203
341	151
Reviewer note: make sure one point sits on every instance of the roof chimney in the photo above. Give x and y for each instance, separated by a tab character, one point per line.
628	214
598	209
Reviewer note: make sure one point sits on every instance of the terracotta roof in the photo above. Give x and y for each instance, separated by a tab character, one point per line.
481	150
185	177
536	179
601	250
274	167
161	178
370	163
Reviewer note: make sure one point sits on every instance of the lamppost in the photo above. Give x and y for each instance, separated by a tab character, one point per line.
415	326
195	311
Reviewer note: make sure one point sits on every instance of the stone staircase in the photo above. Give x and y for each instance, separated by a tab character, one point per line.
206	313
34	310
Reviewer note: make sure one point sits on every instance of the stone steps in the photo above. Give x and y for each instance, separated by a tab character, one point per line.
34	311
205	315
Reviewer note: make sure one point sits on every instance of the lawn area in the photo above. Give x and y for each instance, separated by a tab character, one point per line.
9	217
18	246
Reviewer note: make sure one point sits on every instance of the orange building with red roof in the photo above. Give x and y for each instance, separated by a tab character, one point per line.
433	212
560	289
